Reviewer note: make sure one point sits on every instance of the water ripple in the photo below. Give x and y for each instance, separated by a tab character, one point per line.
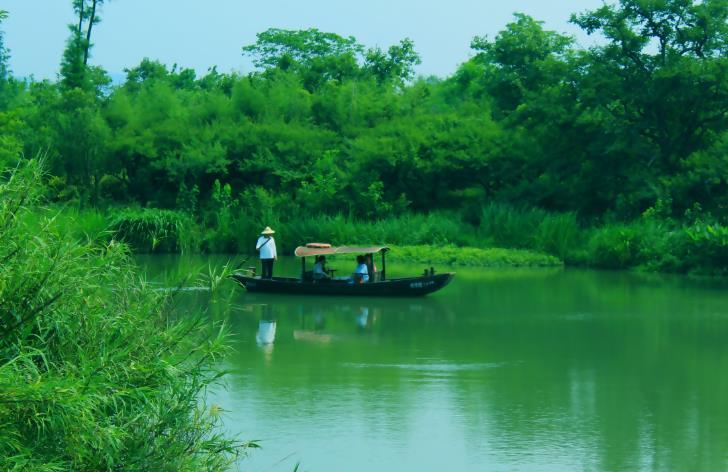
441	367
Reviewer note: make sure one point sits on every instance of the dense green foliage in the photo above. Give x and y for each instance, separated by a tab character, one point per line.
649	243
565	139
95	374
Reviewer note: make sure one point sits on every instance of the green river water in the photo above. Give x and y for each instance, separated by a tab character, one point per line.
507	370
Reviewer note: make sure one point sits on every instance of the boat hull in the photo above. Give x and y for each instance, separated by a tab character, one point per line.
405	287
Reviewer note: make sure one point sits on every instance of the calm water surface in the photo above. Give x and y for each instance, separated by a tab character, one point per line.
502	370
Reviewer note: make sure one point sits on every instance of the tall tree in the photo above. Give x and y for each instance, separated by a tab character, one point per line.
4	54
92	20
397	64
80	130
4	67
83	138
522	60
663	72
526	72
74	66
317	56
10	125
279	47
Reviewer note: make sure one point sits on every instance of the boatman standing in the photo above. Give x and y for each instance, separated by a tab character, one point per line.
266	245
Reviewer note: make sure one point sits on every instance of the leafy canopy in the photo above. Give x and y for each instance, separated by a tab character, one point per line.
4	54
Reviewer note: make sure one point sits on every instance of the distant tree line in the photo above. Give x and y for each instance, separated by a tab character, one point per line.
326	125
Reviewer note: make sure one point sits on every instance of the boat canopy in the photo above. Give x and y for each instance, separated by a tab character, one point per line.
306	251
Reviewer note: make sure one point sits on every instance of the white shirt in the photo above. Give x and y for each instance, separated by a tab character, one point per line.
267	249
363	317
362	269
266	332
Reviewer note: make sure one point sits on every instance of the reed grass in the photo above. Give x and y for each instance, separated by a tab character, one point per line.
96	372
155	230
506	226
557	234
214	277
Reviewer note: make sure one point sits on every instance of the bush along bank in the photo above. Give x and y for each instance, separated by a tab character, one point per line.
95	372
434	238
699	245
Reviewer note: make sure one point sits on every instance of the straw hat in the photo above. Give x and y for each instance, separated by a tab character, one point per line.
267	231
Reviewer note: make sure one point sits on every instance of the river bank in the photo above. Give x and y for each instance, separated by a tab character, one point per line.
501	236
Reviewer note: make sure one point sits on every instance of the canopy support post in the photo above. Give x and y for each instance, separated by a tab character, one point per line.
384	267
303	269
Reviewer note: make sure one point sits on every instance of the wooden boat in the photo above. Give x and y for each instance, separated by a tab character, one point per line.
380	286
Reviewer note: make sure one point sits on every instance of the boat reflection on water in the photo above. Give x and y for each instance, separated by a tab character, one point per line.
315	333
327	320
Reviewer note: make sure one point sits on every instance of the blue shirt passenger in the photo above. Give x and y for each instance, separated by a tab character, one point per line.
361	274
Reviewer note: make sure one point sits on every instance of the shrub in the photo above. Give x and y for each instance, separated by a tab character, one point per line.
704	248
658	241
614	247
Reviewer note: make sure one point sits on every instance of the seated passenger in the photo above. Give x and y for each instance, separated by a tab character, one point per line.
361	274
319	269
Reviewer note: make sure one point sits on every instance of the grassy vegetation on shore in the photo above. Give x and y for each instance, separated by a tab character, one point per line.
499	235
95	371
471	256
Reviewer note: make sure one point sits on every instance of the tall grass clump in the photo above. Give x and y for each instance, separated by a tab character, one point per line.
505	226
95	373
149	230
558	234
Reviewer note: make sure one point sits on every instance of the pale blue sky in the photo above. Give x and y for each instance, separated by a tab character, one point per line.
200	34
